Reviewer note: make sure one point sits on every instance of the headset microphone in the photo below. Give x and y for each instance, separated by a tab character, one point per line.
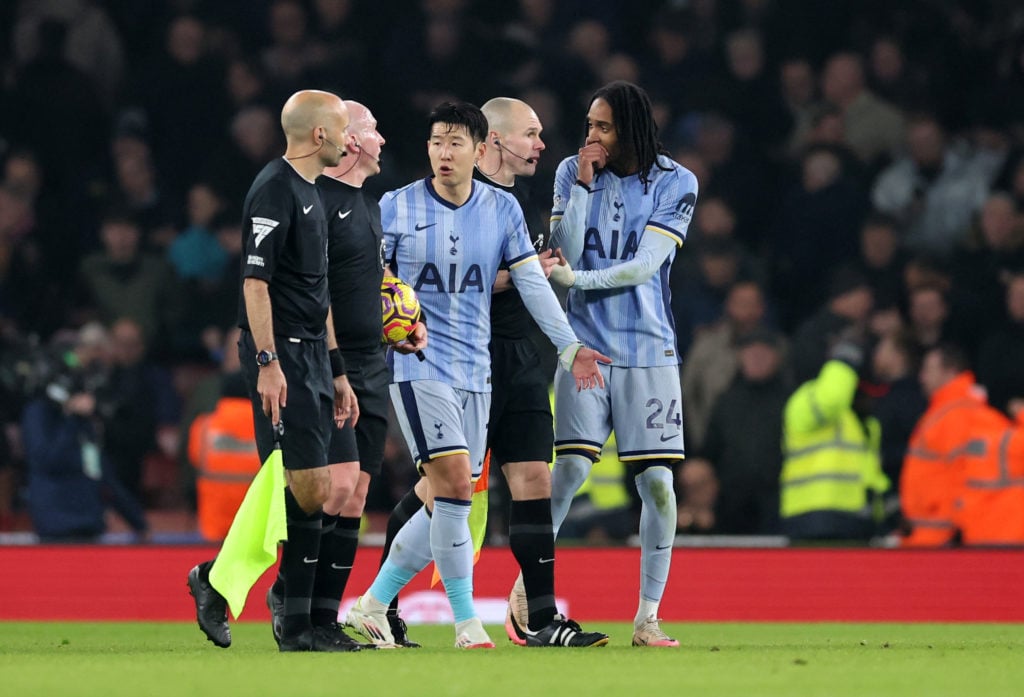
527	160
341	151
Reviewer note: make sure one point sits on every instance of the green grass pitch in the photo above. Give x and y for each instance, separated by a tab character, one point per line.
828	659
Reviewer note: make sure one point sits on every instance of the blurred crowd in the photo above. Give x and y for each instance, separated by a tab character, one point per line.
861	162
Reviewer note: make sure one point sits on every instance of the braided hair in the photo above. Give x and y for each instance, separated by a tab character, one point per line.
634	124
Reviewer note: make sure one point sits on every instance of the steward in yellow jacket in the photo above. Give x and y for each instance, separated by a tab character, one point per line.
832	480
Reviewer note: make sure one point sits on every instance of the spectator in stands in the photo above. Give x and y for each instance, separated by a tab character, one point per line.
294	53
245	83
928	310
137	190
850	301
881	260
898	404
993	252
698	491
893	78
713	359
92	44
815	230
1000	366
872	127
141	415
71	481
799	95
209	303
255	139
123	281
181	91
48	88
698	302
748	94
933	191
748	468
672	67
195	253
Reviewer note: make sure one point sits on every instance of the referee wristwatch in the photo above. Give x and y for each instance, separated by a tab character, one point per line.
265	358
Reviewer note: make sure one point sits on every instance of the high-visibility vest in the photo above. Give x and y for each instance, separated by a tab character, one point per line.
958	432
222	448
991	508
832	457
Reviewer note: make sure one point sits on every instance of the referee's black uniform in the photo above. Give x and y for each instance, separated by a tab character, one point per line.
284	236
522	366
355	269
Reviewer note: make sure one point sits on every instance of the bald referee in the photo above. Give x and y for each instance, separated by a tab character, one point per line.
286	335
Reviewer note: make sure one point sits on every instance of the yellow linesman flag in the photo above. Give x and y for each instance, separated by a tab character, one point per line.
477	516
250	547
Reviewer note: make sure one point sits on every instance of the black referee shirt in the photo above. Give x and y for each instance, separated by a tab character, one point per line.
355	264
509	317
284	242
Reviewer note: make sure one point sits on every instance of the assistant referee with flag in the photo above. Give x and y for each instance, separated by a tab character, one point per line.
285	350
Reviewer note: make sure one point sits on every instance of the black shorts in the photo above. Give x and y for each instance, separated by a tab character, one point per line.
369	377
309	416
521	428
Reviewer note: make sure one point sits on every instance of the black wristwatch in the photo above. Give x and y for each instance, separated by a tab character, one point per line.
265	358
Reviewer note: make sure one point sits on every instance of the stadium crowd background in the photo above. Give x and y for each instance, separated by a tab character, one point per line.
839	145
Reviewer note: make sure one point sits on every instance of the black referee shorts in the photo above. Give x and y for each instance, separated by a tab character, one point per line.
521	427
309	416
369	377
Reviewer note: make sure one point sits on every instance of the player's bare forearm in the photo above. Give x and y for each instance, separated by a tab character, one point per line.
332	340
257	308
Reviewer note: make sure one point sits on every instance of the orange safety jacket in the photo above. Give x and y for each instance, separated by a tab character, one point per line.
955	434
222	448
992	503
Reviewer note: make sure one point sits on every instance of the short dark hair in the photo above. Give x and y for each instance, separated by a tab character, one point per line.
463	114
904	341
953	356
634	124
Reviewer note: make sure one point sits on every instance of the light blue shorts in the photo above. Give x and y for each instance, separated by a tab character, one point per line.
642	405
438	419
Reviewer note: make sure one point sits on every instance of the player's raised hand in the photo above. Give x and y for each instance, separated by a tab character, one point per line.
346	406
273	390
593	157
586	369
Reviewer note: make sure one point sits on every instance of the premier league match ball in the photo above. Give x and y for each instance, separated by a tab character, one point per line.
400	309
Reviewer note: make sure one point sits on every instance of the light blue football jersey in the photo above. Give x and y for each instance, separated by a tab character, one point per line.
632	325
450	255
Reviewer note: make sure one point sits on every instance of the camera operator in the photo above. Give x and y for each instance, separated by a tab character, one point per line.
70	479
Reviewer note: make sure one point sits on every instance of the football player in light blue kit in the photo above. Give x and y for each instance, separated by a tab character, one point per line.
446	236
621	209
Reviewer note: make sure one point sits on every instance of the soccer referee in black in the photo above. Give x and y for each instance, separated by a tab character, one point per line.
355	269
285	317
